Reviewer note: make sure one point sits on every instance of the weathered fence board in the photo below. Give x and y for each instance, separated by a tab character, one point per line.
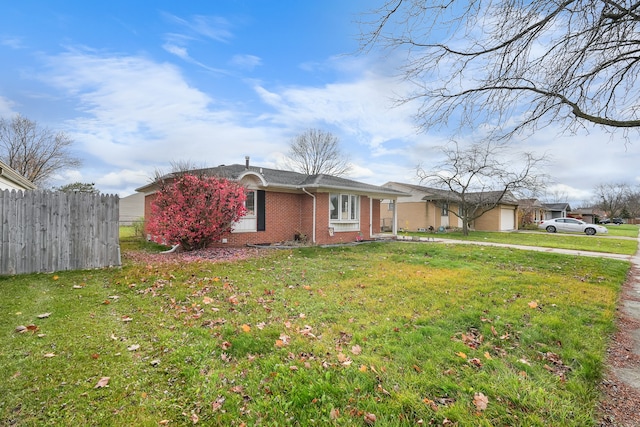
43	231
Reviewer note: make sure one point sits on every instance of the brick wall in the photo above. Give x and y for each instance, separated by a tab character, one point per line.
288	213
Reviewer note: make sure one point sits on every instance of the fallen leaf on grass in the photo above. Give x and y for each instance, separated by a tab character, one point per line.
356	350
133	347
334	414
533	304
461	354
44	315
21	329
246	328
369	418
104	381
480	401
49	355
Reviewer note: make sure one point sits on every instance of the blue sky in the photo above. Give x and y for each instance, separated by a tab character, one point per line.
139	84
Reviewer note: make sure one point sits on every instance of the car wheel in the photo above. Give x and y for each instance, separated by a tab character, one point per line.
551	229
590	231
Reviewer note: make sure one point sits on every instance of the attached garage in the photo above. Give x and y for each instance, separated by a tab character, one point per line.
507	218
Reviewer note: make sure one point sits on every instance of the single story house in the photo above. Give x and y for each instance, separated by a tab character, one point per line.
431	207
530	211
12	180
556	210
285	205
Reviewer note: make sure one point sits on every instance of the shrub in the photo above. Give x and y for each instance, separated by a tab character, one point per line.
195	211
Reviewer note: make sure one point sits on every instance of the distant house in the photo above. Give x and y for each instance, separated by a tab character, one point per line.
12	180
284	205
556	210
588	215
431	207
530	211
131	208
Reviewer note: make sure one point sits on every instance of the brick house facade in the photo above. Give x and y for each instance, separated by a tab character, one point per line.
285	206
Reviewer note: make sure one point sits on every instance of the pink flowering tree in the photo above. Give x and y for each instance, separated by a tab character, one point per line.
194	211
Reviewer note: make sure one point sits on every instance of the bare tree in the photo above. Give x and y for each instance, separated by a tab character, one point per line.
33	151
516	64
478	178
317	152
612	197
633	202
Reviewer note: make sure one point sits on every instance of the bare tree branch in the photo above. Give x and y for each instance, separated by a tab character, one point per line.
479	177
33	151
516	64
317	152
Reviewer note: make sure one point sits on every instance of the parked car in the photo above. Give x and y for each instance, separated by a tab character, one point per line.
571	225
618	221
605	221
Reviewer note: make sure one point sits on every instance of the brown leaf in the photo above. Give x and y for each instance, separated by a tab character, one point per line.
133	347
32	328
356	350
533	304
369	418
21	329
44	315
480	401
246	328
104	381
49	355
334	414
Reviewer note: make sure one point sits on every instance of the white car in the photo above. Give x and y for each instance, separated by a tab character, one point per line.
571	225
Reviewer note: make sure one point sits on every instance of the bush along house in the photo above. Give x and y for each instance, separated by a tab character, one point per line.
285	206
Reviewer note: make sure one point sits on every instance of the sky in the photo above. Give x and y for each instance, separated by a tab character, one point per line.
141	85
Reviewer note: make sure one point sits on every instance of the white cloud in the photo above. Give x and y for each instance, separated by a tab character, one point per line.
247	62
6	107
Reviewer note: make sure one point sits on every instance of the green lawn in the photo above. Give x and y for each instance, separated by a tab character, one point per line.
610	243
400	333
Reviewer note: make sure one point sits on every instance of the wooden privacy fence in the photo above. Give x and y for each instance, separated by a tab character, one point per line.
44	231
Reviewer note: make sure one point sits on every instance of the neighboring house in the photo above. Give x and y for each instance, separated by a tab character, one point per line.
131	208
556	210
12	180
530	211
283	205
426	207
588	215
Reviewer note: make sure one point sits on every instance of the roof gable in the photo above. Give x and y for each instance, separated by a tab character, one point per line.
13	179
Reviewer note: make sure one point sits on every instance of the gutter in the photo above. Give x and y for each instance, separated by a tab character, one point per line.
313	233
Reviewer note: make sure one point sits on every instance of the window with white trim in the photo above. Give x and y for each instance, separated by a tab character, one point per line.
248	223
344	212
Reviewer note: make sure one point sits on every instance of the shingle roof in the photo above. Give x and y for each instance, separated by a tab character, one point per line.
277	178
440	194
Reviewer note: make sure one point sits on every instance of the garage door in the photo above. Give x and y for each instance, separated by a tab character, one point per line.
507	219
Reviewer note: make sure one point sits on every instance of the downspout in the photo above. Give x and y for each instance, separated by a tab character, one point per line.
370	217
313	233
394	227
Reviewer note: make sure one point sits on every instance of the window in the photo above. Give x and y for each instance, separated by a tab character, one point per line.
250	203
344	207
445	209
391	204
